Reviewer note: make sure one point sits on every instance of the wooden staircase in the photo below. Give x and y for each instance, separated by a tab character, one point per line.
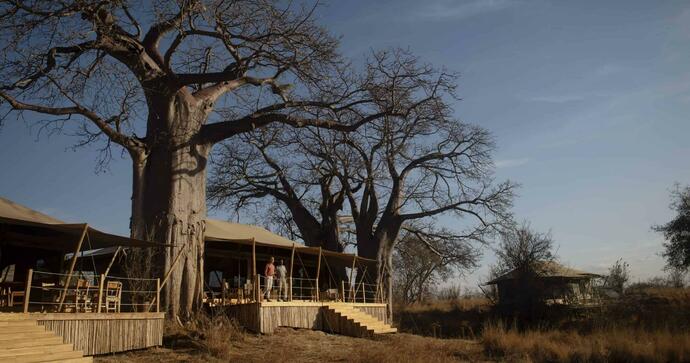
347	320
23	340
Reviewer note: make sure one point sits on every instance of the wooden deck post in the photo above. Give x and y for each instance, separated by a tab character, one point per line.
158	295
342	290
71	267
292	263
352	272
27	292
101	283
364	293
257	288
254	275
318	272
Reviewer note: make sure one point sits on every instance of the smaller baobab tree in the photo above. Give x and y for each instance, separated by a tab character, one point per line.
397	172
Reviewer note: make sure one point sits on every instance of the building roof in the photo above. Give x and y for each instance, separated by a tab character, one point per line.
228	231
30	227
219	231
548	269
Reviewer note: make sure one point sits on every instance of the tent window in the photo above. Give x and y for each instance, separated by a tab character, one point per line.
215	278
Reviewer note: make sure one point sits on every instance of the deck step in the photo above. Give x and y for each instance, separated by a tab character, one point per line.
16	322
22	340
72	360
18	329
42	357
42	349
26	335
36	342
359	321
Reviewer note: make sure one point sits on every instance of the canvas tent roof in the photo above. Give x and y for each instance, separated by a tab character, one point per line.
548	270
227	231
27	226
247	234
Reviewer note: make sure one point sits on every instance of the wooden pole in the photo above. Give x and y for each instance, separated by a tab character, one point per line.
112	260
292	263
342	290
352	271
167	274
100	292
158	295
71	266
27	292
254	275
364	293
318	272
257	287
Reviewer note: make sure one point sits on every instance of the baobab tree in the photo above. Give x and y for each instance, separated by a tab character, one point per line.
398	172
165	81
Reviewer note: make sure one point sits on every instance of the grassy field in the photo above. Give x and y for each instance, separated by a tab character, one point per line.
651	325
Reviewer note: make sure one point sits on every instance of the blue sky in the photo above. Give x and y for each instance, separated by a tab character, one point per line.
588	101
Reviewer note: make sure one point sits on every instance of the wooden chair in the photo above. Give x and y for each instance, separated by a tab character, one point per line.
82	296
13	295
4	297
113	296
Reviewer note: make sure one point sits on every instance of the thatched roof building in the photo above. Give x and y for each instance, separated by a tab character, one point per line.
549	282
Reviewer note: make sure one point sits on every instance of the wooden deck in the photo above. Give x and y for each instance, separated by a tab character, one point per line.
94	333
265	317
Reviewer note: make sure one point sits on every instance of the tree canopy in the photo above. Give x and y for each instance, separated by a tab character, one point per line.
677	231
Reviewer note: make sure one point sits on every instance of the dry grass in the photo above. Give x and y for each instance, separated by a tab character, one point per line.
463	304
458	318
609	345
296	345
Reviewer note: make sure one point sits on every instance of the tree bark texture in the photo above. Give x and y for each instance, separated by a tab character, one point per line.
168	196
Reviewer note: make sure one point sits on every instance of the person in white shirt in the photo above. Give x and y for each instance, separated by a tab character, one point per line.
281	273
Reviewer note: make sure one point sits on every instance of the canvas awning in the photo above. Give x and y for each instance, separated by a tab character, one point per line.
221	231
24	226
547	270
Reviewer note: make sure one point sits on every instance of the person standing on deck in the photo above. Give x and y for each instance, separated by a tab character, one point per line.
269	272
281	273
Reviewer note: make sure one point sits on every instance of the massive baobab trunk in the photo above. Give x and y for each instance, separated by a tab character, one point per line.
169	200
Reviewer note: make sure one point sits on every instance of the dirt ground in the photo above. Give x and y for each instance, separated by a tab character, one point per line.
296	345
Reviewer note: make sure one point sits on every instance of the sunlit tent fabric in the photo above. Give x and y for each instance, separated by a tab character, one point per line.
25	226
219	231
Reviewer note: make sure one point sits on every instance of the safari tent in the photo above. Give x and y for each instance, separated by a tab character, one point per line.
48	290
551	283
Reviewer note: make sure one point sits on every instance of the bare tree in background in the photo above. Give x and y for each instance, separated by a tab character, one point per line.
398	172
524	250
165	81
419	270
618	276
526	254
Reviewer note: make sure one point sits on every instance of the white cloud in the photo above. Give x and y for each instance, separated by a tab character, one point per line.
450	9
511	163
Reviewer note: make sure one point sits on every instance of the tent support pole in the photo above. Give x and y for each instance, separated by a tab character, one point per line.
167	274
71	266
318	272
255	283
112	260
352	272
292	263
